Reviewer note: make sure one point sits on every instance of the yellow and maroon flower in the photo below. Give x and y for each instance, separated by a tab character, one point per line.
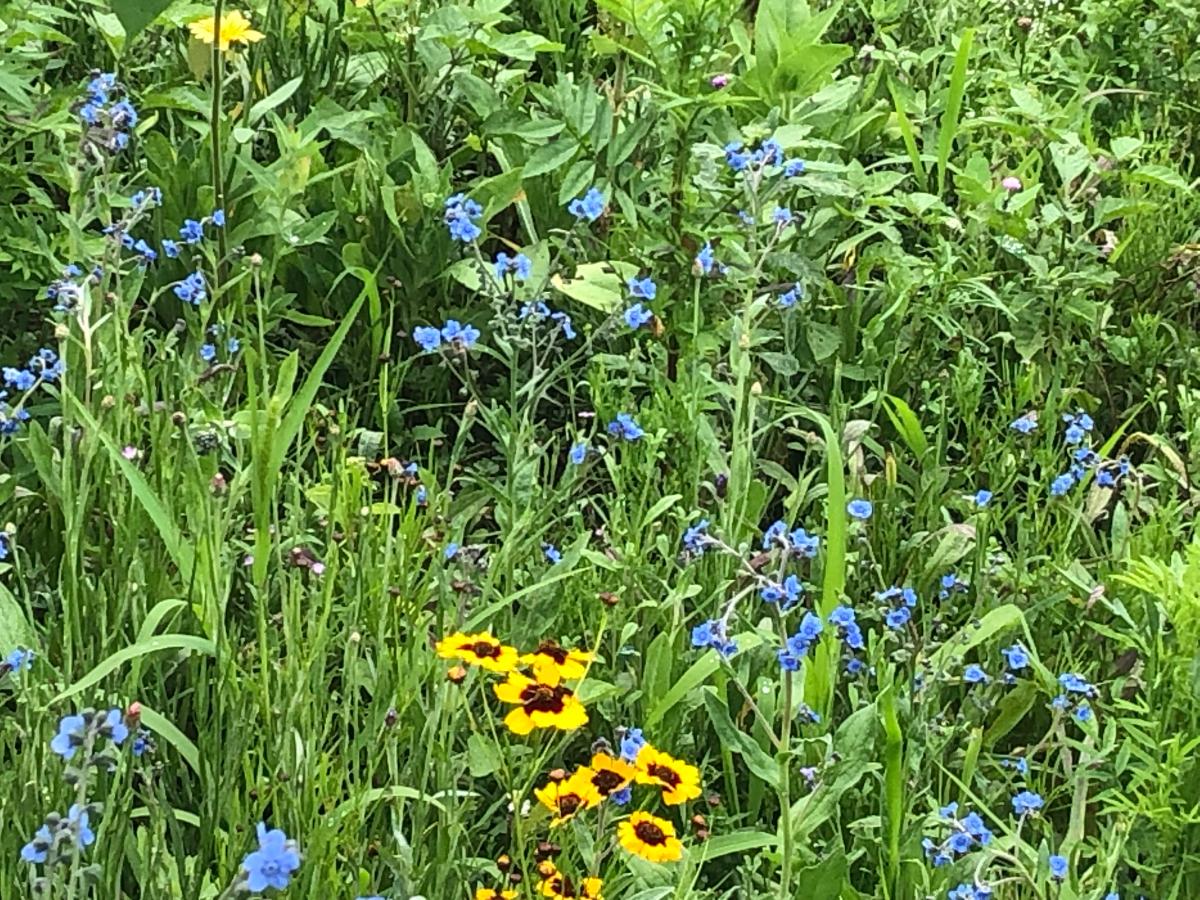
494	894
650	837
567	664
680	782
481	650
556	885
540	704
568	796
609	774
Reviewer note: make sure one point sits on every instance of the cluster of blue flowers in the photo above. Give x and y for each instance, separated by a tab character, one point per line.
714	633
107	112
625	427
797	645
590	206
45	367
950	585
538	311
461	215
768	153
796	542
898	604
638	315
965	835
520	266
970	892
453	335
1076	692
696	538
1077	437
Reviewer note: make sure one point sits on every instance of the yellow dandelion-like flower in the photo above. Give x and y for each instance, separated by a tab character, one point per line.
650	837
568	665
235	29
567	797
481	650
680	782
540	704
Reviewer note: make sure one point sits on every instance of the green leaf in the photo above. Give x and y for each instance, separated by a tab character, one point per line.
137	14
948	128
1163	175
550	157
165	729
114	661
905	421
727	844
599	285
698	673
483	758
15	630
276	98
736	740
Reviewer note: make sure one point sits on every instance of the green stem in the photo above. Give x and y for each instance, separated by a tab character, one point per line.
218	178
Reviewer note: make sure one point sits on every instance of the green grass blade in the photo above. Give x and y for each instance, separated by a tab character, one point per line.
954	103
114	661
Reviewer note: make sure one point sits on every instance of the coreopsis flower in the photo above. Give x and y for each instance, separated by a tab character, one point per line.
679	781
557	886
542	702
650	837
234	29
609	775
483	893
481	650
567	797
567	665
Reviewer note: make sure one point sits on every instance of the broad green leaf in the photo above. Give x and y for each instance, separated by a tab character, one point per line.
15	630
114	661
137	14
948	128
733	738
905	421
598	285
276	98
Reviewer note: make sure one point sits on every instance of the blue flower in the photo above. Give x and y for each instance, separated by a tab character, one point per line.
696	538
705	260
621	797
974	674
712	634
1026	424
950	584
70	735
983	497
19	379
631	744
1027	802
1083	712
897	618
208	352
782	216
637	316
776	533
1058	867
170	248
141	744
114	727
123	115
460	215
272	864
578	453
5	539
860	509
218	218
960	842
1016	657
792	296
804	544
769	153
735	158
192	231
1076	684
232	346
645	288
564	323
793	168
975	827
422	495
590	206
788	592
192	289
463	336
428	337
35	851
1061	485
451	551
624	426
842	617
19	659
520	265
551	553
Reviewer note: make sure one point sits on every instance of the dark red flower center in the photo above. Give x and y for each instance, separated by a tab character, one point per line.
568	804
554	652
665	774
544	698
484	649
607	781
649	833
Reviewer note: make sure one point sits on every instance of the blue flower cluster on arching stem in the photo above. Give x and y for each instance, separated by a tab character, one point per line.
795	542
970	892
965	834
1077	438
107	113
797	645
453	335
898	604
697	539
519	266
769	152
538	311
1077	691
850	634
714	634
45	367
461	215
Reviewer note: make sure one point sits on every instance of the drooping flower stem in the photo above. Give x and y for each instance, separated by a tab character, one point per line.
218	173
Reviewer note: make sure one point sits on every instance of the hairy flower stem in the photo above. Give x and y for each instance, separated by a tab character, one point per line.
785	788
218	175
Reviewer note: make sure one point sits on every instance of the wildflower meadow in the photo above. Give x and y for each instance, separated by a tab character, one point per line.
608	449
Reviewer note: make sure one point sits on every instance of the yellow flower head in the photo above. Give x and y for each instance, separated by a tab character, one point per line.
479	649
494	894
609	774
540	704
235	28
556	885
549	657
567	797
679	781
650	837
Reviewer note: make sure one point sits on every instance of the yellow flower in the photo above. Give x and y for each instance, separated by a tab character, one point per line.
480	649
650	837
235	28
567	797
680	782
494	894
567	664
540	704
556	885
609	775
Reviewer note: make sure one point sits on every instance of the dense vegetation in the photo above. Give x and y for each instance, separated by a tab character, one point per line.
634	449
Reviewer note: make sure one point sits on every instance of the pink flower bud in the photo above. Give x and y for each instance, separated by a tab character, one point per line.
1012	184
